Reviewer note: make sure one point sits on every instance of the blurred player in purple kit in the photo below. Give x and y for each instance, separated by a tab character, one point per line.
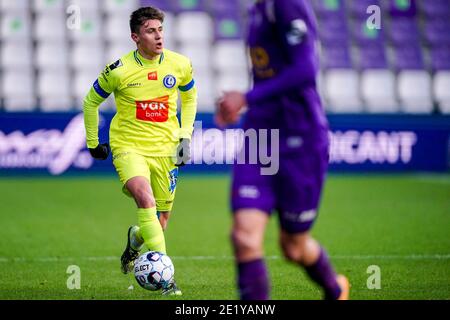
282	44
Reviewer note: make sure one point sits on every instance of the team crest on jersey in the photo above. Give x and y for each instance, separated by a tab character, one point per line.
169	81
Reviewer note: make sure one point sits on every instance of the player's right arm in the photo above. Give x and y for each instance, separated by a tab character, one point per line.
105	84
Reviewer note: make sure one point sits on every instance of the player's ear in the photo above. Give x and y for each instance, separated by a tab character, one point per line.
135	37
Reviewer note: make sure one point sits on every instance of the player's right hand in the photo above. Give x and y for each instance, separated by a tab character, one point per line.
100	152
229	108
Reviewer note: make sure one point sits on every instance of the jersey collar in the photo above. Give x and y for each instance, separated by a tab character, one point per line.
147	63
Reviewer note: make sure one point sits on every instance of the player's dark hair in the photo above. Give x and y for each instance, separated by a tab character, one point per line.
141	15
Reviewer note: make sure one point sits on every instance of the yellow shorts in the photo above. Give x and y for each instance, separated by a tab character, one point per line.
160	171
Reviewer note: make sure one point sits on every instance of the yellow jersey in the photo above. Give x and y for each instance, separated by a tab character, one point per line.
146	94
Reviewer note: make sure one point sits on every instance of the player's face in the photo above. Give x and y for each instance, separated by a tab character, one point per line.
150	38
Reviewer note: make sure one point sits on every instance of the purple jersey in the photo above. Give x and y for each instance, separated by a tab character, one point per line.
282	44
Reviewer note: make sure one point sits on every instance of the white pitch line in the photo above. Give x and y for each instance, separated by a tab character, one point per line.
337	257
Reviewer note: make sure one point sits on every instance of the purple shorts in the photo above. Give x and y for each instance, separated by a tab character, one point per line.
294	192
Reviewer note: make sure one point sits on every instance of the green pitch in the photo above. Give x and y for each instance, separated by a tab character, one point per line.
399	223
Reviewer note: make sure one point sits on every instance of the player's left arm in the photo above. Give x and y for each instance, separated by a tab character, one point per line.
188	95
293	21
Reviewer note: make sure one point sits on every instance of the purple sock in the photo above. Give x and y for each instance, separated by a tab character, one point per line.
253	280
323	274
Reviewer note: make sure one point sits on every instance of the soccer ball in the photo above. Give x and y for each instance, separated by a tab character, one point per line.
153	270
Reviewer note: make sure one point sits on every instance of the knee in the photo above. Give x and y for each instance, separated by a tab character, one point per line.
304	251
292	252
143	198
244	241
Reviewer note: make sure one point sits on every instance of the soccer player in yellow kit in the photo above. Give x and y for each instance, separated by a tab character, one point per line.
147	142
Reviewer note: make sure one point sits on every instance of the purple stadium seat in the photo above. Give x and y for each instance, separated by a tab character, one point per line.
437	32
358	8
329	8
189	5
336	56
227	26
372	57
402	8
165	5
333	30
440	58
435	8
404	31
224	7
408	57
363	35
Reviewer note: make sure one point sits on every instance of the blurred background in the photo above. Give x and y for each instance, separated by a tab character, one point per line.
387	96
401	68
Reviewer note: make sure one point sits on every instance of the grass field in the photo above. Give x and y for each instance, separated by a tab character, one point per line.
400	223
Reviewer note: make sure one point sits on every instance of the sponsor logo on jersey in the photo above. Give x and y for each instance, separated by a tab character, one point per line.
169	81
155	110
152	75
115	65
297	31
135	84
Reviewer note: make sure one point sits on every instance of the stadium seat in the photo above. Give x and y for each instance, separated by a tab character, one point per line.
46	6
404	31
440	58
120	6
372	56
327	31
87	7
18	98
14	54
435	8
227	26
336	56
80	52
91	28
402	8
378	91
441	90
414	88
117	27
342	91
205	90
230	54
166	6
191	5
117	49
364	36
200	55
408	57
54	91
52	56
326	9
14	6
238	80
15	26
198	21
82	83
50	27
437	32
358	8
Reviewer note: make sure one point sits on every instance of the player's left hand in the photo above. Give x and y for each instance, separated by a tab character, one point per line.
183	152
229	107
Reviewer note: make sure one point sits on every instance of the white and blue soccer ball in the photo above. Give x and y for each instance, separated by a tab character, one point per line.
153	270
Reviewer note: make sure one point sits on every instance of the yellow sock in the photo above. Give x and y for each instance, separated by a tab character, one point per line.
150	230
